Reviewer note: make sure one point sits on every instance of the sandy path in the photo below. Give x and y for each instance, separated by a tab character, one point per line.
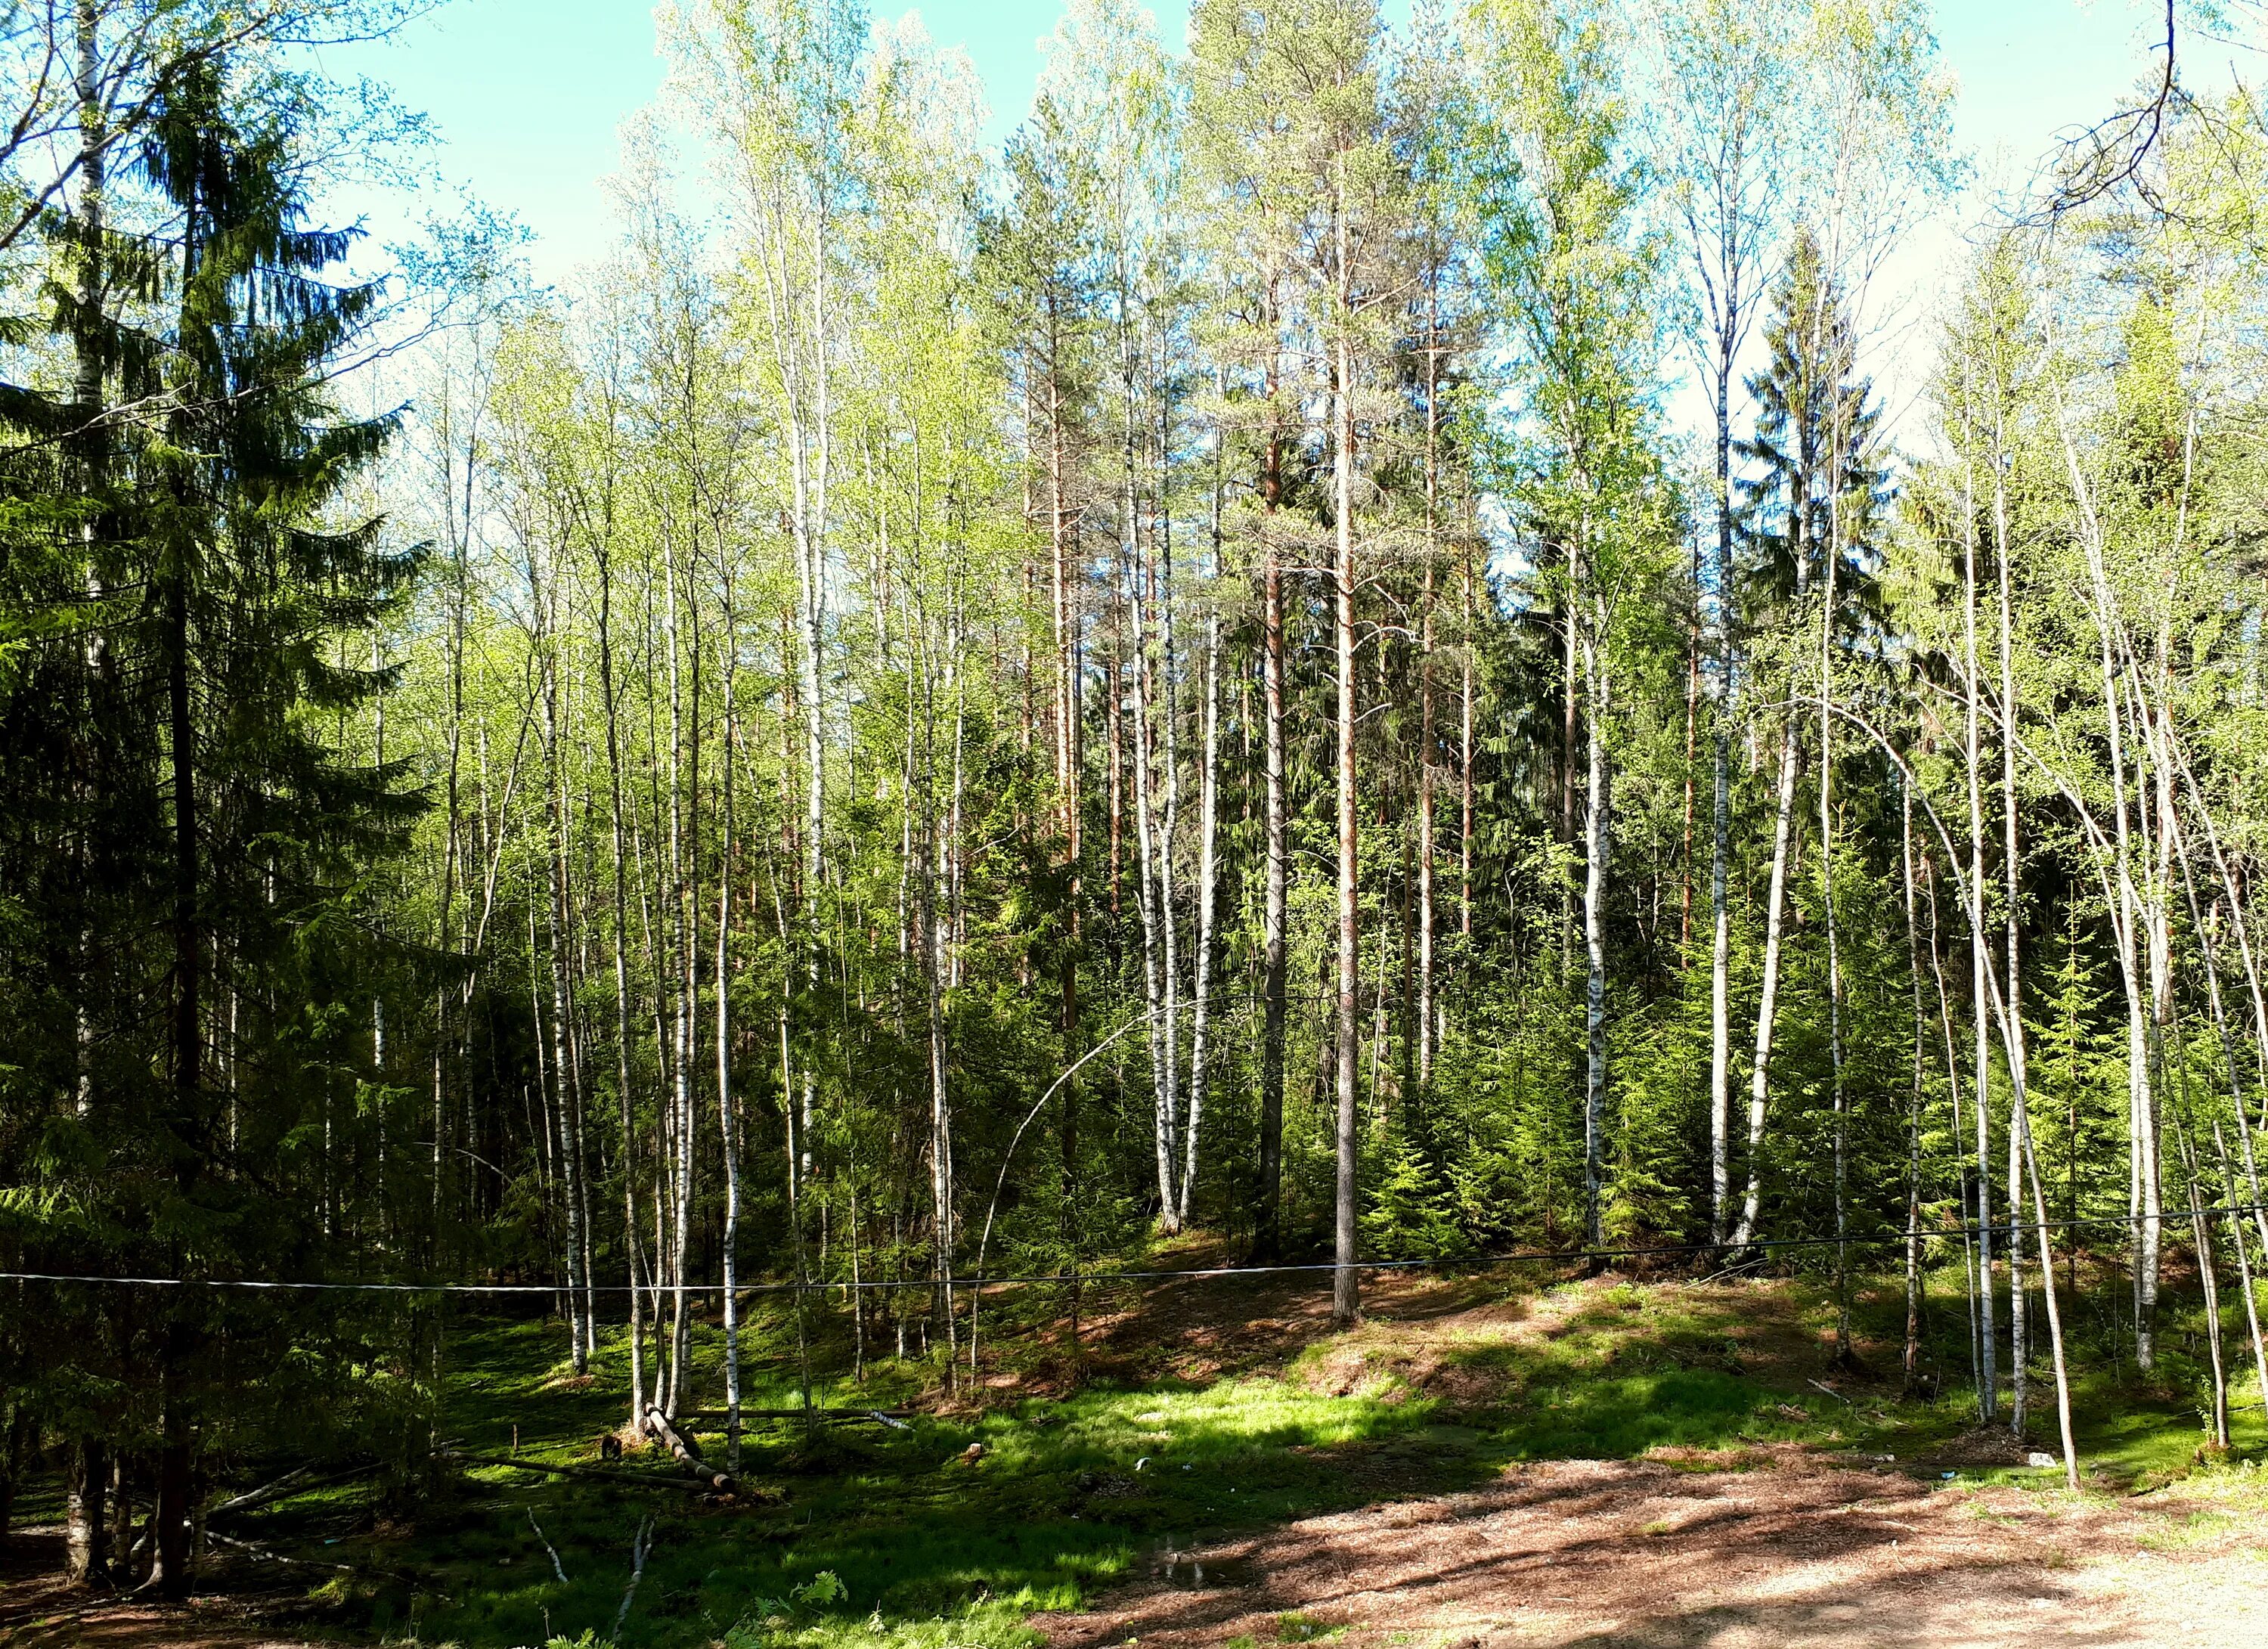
1595	1553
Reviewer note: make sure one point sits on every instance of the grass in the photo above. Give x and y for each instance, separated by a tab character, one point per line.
887	1539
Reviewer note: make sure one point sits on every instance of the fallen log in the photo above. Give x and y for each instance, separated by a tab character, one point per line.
689	1453
681	1444
886	1416
291	1483
267	1491
266	1554
640	1479
641	1544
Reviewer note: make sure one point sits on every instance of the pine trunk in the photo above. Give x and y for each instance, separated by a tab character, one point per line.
1345	1291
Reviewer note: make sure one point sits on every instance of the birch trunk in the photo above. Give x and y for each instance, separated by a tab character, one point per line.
2239	1242
683	796
1594	928
2012	947
2202	1235
2144	1207
1980	961
1767	1005
727	1123
1910	1362
1152	889
1720	930
624	1116
1207	897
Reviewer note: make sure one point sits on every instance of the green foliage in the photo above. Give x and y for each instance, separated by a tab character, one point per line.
761	754
194	865
1411	1214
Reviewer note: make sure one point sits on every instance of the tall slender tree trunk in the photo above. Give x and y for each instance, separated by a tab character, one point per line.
940	1116
2123	908
1980	960
89	444
1345	1291
727	1116
1571	625
562	1065
1952	1090
2201	1233
1169	680
561	918
1910	1361
1207	898
1274	986
627	1157
1154	887
1465	733
2158	930
1839	1102
1692	786
2055	1310
188	1007
1802	487
1594	927
683	798
1070	729
1767	1003
83	1561
2012	948
1428	766
1720	930
815	477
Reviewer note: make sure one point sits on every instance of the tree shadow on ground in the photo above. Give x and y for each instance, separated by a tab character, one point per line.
1597	1553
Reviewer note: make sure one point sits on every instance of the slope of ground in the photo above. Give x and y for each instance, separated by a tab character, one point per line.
1483	1460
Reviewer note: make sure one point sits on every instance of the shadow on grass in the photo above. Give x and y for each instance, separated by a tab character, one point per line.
890	1537
922	1546
1068	1495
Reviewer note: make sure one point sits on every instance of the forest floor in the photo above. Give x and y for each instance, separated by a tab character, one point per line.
1746	1556
1481	1463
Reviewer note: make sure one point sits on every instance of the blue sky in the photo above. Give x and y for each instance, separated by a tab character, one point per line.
527	98
527	95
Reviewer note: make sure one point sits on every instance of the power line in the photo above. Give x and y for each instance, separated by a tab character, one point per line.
1192	1273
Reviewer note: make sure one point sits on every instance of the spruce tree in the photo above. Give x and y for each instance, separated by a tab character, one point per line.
189	966
249	585
1813	451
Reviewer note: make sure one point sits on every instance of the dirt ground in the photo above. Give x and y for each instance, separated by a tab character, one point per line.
38	1610
1650	1556
1644	1555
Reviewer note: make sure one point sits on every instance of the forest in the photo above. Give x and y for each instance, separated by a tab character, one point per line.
1333	658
